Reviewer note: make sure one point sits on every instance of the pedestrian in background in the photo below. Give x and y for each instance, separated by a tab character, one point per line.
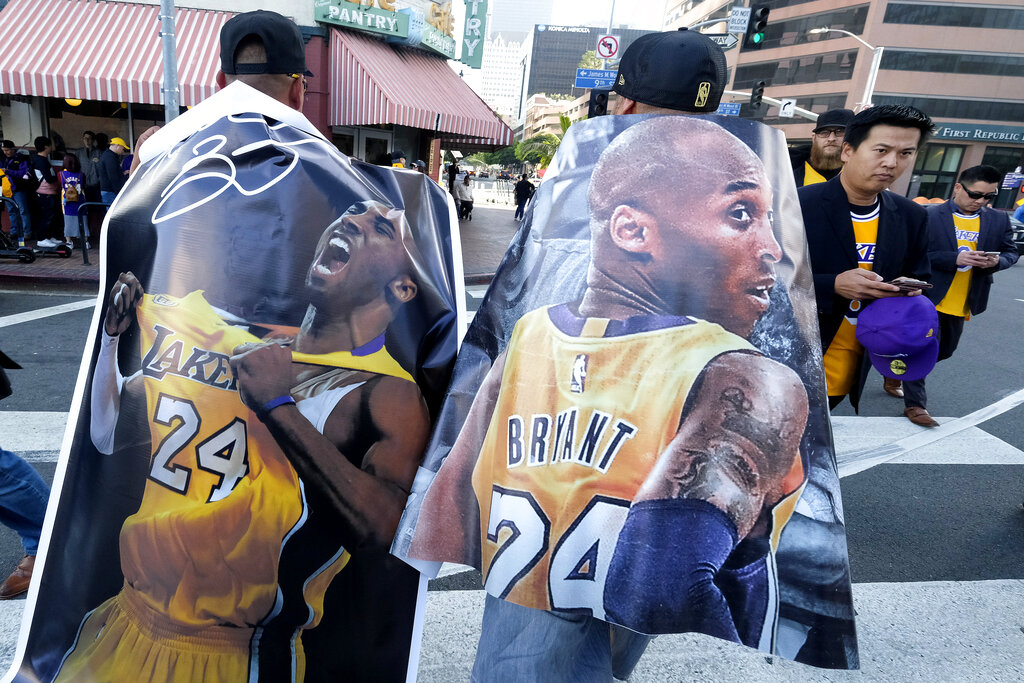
23	184
523	191
464	193
72	194
112	177
23	498
47	191
823	160
967	243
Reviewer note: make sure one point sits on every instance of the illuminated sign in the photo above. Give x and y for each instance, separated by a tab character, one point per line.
979	132
473	33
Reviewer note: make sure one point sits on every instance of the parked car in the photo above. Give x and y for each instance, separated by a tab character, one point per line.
1018	234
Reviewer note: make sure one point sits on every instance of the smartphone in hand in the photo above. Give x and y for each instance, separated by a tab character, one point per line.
909	284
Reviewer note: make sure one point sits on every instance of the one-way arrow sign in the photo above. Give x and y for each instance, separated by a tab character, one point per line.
726	41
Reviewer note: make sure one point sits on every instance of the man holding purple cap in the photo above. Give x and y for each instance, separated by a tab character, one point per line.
860	237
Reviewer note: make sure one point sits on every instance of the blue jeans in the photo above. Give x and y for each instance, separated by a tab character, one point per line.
21	223
523	644
521	208
108	197
23	496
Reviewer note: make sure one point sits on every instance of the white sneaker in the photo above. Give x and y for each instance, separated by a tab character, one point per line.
49	242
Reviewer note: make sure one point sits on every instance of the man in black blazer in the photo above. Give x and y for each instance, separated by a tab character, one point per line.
967	243
859	236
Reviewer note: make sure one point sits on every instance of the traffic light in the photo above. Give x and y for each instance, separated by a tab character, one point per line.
756	95
755	29
598	103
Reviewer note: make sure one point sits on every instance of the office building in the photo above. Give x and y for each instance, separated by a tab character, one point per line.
960	62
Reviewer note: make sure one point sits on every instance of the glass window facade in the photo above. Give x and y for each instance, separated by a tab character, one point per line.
961	16
1006	159
794	31
936	170
952	63
946	108
832	66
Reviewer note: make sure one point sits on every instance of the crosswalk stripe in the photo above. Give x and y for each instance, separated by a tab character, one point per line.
28	316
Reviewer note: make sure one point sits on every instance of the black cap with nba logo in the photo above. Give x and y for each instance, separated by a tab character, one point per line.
681	70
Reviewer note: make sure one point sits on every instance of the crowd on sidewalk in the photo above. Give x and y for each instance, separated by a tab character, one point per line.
38	191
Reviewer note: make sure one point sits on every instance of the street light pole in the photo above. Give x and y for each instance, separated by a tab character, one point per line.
876	61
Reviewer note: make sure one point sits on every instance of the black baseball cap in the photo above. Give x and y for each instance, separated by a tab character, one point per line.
9	144
833	118
282	39
681	70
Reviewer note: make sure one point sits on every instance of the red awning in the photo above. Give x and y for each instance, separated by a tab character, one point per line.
375	82
104	50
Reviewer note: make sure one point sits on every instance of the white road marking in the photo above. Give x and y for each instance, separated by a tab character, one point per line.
913	631
865	458
28	316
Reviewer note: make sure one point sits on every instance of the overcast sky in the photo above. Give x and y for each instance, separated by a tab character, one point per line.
635	13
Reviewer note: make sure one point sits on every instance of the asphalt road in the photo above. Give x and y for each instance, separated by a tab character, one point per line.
953	515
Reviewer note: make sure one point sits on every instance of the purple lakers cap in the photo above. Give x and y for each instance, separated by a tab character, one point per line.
900	336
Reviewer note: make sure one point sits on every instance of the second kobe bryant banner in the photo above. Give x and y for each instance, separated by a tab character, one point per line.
473	33
275	331
637	428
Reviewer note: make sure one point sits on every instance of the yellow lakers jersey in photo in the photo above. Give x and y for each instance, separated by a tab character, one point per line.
208	544
585	409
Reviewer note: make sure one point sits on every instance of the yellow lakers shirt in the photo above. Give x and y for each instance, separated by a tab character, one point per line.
224	534
955	301
586	407
811	176
844	351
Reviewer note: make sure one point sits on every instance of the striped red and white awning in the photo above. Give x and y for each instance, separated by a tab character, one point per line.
109	51
375	82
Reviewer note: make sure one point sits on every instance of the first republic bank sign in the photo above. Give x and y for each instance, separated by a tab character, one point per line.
424	24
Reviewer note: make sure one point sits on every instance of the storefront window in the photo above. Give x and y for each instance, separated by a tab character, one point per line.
1006	159
936	170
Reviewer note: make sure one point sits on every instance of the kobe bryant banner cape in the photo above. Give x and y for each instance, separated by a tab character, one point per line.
276	327
637	427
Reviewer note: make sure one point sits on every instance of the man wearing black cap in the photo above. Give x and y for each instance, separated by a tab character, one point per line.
264	50
860	237
967	243
669	73
823	160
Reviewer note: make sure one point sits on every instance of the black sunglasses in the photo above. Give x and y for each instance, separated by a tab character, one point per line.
981	195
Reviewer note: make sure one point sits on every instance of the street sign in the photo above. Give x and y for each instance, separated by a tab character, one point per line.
726	41
739	18
787	108
595	78
728	109
607	47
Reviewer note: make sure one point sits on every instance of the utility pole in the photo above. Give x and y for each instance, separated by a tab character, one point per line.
169	88
611	20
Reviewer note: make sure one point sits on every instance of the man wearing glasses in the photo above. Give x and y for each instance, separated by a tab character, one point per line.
824	160
967	242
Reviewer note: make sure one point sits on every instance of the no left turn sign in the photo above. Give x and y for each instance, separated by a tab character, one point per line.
607	47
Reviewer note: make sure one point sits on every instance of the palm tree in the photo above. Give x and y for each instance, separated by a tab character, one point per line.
543	147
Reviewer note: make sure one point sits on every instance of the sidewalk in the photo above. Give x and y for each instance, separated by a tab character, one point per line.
484	240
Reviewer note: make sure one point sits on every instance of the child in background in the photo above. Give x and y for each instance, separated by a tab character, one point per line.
72	194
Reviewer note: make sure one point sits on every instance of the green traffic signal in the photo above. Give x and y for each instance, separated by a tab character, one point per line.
756	38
